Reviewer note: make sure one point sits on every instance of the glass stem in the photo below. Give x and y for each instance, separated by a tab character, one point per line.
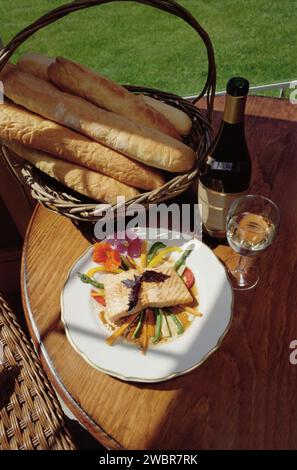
240	266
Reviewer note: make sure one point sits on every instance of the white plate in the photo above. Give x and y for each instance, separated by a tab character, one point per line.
161	362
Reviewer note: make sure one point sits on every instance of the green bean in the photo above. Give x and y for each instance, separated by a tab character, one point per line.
179	326
166	332
139	325
158	327
88	280
183	258
124	263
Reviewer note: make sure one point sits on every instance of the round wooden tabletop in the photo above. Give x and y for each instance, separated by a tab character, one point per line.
244	395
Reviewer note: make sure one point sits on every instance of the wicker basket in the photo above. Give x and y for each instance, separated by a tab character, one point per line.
59	198
31	417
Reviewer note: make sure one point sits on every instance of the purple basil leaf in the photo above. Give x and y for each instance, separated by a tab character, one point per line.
153	276
134	286
129	283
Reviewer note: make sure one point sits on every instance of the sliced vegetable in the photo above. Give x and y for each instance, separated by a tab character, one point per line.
166	332
121	329
193	311
153	250
100	299
189	278
181	270
95	293
178	324
158	327
194	292
183	258
143	255
151	321
161	255
144	340
88	280
133	263
124	263
138	326
100	269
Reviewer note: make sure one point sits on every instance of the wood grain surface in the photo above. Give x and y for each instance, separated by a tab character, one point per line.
244	395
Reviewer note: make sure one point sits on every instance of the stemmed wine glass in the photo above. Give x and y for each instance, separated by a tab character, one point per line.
252	223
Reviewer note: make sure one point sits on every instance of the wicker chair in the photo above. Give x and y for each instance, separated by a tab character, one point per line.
31	417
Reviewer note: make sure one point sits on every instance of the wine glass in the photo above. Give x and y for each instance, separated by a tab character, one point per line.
252	223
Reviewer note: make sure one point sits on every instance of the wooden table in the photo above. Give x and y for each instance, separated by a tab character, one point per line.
244	396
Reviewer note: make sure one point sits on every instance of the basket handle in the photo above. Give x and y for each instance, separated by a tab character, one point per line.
170	6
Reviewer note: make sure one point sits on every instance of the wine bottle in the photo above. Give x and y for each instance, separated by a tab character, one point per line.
226	173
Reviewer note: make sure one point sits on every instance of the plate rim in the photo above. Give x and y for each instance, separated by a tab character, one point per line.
137	379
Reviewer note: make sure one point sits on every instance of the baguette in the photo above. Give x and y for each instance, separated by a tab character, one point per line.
30	129
99	90
141	143
36	64
94	185
178	118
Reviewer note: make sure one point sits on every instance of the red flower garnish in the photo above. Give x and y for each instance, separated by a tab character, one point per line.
105	254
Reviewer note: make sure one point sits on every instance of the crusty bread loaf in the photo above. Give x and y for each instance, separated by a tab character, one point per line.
84	181
178	118
20	125
81	81
36	64
91	85
134	140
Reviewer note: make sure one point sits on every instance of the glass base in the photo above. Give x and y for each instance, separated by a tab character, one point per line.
242	274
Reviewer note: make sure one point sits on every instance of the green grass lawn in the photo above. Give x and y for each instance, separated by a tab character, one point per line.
137	44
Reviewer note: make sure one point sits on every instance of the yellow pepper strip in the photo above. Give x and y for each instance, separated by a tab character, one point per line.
133	263
100	292
161	255
143	255
193	291
193	311
98	269
121	330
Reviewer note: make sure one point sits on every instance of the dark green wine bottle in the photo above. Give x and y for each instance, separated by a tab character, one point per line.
226	173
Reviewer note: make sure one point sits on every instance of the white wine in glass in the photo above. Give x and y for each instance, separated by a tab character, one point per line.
252	223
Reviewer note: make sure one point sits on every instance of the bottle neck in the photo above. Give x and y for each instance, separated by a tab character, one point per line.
234	109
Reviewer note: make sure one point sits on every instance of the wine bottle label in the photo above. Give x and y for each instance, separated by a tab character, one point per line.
235	167
214	208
